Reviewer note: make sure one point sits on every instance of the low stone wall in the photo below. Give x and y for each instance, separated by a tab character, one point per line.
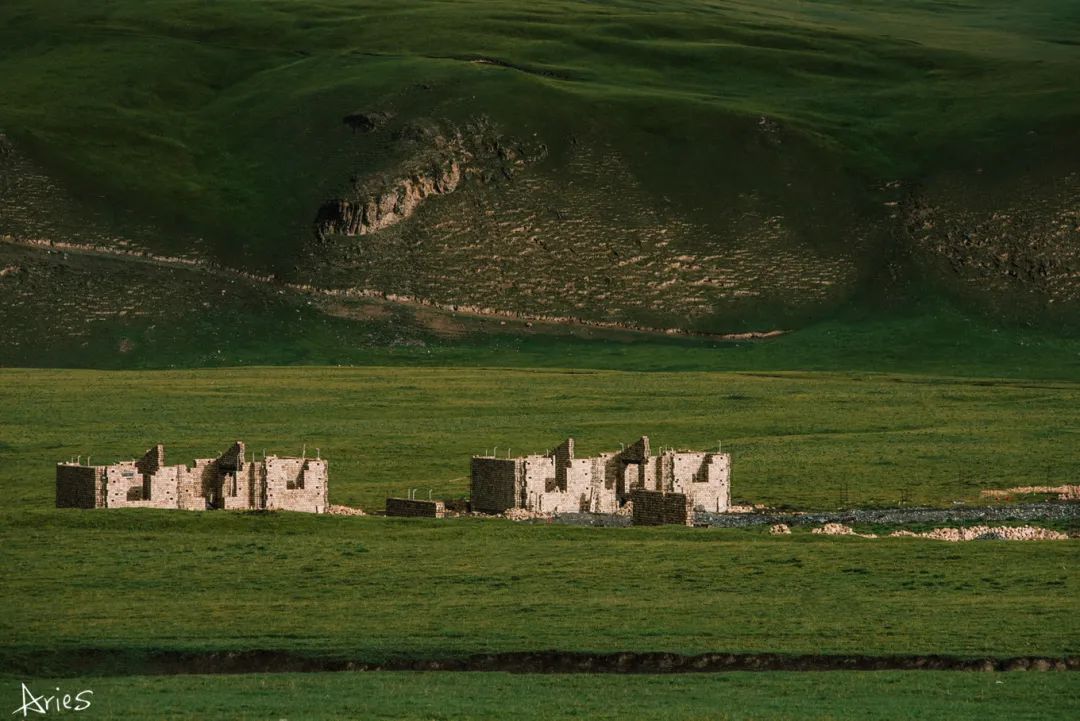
415	508
654	508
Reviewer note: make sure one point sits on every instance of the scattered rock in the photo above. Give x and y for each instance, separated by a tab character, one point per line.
1064	492
987	533
839	529
334	510
522	514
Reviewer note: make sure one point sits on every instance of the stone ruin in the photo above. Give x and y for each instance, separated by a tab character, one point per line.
664	488
229	481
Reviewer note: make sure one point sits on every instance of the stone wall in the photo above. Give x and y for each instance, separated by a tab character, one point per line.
496	483
705	478
78	486
295	484
228	481
415	508
655	508
127	487
557	482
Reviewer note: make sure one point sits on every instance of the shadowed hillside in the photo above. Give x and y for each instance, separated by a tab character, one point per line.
693	166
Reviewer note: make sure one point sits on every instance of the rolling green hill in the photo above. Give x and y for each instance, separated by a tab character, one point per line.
705	166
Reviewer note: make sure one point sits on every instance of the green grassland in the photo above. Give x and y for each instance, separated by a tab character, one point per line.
797	437
120	585
139	581
735	697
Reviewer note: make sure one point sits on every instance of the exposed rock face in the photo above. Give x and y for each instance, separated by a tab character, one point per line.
439	157
392	205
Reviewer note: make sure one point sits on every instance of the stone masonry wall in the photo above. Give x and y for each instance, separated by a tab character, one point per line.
654	508
415	508
126	487
229	481
78	486
557	482
295	484
495	482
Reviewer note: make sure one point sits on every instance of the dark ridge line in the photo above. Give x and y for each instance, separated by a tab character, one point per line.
116	662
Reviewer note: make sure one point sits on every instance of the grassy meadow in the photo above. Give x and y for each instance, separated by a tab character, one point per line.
137	581
797	438
728	697
123	584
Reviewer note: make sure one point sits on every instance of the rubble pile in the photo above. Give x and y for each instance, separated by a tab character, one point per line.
344	511
1064	492
523	514
839	529
987	533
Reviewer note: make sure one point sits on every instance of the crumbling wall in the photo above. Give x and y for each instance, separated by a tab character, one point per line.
703	477
564	460
79	486
494	482
295	484
243	490
152	461
557	482
655	508
415	508
126	487
228	481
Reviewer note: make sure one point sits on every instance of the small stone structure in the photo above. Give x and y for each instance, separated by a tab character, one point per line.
558	482
229	481
415	507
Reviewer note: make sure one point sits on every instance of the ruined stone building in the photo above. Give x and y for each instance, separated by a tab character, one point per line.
229	481
557	482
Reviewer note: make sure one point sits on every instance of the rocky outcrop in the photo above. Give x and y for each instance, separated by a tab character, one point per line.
438	156
384	208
